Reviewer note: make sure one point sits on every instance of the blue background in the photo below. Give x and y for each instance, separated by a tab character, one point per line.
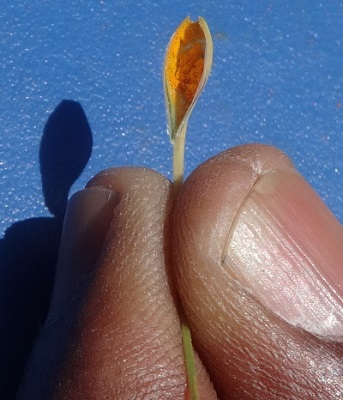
277	79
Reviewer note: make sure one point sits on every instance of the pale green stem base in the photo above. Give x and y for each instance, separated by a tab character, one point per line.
188	352
178	172
178	159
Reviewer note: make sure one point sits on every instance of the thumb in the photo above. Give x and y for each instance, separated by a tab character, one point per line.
113	329
259	270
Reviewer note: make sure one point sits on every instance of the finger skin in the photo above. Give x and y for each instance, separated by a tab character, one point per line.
86	222
126	342
249	351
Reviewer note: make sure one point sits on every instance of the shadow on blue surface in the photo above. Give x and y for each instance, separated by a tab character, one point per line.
28	251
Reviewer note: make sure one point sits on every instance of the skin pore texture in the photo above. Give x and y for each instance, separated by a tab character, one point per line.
249	252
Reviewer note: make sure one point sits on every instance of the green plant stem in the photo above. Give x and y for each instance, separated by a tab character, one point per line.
178	159
188	351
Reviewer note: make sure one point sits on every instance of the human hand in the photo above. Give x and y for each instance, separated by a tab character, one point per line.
250	252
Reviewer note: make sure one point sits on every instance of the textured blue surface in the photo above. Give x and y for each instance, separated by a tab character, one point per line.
277	79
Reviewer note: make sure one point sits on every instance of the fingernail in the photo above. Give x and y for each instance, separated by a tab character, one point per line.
88	217
286	248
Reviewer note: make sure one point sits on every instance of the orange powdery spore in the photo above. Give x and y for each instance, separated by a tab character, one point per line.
190	69
185	62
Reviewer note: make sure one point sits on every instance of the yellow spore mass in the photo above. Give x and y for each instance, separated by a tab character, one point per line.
185	63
